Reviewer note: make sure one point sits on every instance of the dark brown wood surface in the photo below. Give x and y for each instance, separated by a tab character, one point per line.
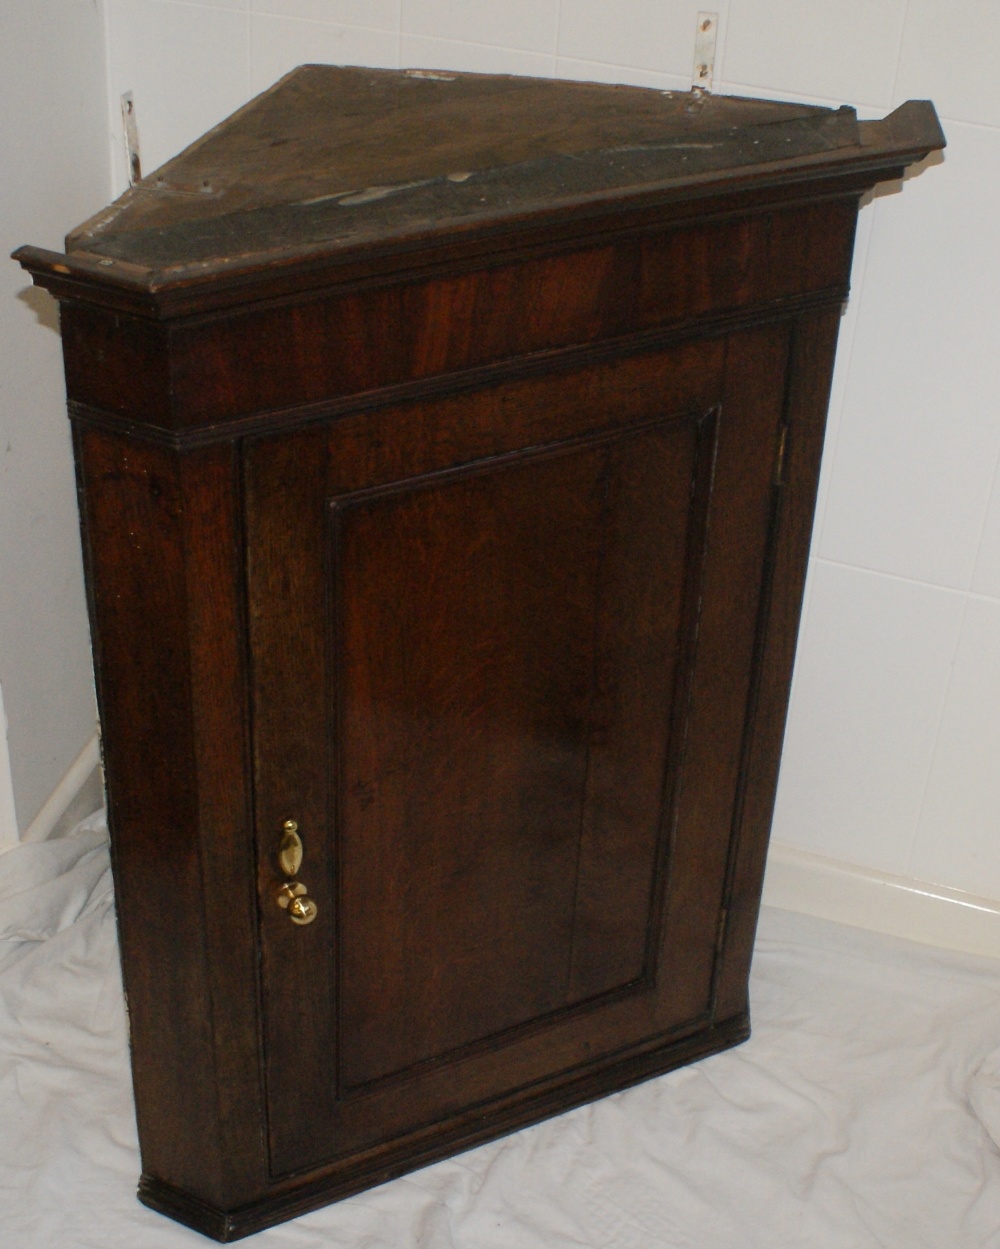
328	132
213	377
464	523
162	547
335	163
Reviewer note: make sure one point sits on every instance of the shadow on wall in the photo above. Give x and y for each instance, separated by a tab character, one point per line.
42	304
894	187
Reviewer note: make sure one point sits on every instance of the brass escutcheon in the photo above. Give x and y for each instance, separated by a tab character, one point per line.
290	850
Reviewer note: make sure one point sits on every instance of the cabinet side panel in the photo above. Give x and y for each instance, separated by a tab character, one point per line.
133	527
810	373
217	648
737	534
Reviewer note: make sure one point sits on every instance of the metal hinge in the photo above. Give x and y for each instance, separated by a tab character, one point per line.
720	936
779	459
704	51
130	133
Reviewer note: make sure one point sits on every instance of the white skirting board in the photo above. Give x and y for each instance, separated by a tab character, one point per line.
8	816
812	884
81	781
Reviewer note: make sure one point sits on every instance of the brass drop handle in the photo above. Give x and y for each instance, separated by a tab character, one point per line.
291	896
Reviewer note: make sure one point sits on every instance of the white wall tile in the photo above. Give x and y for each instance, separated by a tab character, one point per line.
186	65
871	675
957	839
595	71
417	52
279	44
242	5
841	49
865	112
920	429
950	54
526	24
642	34
986	577
842	365
54	173
378	14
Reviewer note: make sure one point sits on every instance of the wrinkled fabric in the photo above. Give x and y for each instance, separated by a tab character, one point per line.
859	1115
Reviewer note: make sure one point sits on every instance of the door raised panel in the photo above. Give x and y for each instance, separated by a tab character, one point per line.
473	691
506	676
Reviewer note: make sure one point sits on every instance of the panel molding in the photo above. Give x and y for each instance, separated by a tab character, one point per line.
340	506
341	503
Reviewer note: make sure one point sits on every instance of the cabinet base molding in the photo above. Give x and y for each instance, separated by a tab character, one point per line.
306	1193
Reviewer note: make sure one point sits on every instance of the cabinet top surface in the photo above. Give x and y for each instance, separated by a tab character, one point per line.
331	160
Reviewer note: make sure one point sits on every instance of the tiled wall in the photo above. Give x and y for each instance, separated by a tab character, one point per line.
893	751
53	171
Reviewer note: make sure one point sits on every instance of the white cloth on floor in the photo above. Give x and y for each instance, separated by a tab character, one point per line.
848	1121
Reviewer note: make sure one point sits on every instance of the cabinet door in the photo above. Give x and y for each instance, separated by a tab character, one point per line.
502	646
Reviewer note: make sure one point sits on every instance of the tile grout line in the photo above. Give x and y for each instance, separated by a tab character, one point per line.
899	52
720	44
845	352
250	25
897	576
974	596
467	43
109	95
969	596
807	597
395	29
795	97
994	481
959	633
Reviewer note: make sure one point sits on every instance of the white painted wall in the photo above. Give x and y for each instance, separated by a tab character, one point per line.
54	171
894	730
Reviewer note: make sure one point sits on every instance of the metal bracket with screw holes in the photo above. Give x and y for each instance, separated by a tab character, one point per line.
704	51
131	134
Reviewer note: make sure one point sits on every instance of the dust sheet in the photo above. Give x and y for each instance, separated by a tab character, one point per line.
858	1115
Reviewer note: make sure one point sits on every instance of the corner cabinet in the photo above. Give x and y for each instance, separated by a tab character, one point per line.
447	448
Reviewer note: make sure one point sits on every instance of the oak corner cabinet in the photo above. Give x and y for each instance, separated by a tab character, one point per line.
447	447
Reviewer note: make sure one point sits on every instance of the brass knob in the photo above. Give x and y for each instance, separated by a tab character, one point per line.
292	898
